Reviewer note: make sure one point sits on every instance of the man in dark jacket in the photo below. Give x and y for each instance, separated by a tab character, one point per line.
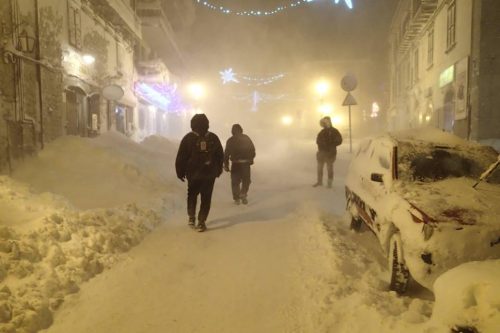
241	151
328	139
199	160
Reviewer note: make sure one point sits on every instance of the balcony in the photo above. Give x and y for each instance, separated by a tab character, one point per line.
120	14
422	11
154	24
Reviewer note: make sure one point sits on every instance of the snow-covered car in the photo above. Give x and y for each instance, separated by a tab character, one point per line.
416	191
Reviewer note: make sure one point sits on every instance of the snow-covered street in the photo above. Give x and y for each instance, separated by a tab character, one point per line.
287	262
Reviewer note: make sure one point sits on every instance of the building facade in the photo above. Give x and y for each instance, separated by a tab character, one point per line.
444	67
71	67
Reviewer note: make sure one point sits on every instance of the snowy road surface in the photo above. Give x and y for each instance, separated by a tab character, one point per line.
285	263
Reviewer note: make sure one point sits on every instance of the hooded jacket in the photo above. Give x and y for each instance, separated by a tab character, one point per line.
239	147
328	138
200	154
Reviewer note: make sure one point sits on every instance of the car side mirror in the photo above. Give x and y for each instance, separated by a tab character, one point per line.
377	177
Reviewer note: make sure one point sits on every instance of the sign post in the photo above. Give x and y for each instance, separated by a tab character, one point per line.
349	83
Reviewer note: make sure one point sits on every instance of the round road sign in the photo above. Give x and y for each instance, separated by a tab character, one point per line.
349	83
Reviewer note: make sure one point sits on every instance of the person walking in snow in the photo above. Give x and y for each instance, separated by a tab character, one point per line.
328	139
199	160
240	150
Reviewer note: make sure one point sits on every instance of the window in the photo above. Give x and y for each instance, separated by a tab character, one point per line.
430	47
74	26
415	66
451	25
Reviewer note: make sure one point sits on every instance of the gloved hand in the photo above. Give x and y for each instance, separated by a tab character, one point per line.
226	168
182	178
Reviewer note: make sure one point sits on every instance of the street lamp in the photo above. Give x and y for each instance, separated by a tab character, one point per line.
25	43
325	109
287	120
88	59
322	87
197	91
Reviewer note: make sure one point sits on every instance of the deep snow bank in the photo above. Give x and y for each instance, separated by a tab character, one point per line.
469	296
68	213
107	171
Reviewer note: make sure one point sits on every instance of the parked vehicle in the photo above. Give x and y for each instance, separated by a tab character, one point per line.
415	191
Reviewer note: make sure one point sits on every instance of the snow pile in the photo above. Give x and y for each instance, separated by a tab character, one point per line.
469	296
40	267
107	171
89	200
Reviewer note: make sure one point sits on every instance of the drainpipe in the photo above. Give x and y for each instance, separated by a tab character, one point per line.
39	72
472	68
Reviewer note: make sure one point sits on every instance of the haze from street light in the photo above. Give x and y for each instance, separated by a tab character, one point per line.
287	120
325	109
322	87
197	91
88	59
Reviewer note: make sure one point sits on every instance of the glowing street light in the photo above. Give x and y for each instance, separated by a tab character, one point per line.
287	120
337	121
197	91
325	109
322	87
88	59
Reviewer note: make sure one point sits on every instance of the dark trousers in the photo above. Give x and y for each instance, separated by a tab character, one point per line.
240	180
328	159
205	188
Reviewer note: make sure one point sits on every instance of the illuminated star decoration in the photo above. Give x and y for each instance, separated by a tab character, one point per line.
228	76
347	2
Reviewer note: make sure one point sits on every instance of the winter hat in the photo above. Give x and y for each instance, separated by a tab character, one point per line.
237	129
326	122
199	124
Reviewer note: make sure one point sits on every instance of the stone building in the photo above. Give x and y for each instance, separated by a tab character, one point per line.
445	66
70	67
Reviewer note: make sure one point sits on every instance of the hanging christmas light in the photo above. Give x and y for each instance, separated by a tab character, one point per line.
161	95
228	76
264	12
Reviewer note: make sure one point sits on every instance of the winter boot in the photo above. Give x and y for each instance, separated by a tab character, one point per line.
201	226
191	222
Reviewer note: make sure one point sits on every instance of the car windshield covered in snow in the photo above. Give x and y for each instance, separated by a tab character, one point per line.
428	163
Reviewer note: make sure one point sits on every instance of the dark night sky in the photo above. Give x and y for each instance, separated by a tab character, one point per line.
317	31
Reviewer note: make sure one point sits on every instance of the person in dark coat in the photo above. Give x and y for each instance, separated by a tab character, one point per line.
328	139
240	150
199	160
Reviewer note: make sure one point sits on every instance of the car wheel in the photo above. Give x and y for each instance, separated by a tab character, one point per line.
399	273
356	223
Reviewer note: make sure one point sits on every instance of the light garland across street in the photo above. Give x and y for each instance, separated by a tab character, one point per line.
266	12
229	76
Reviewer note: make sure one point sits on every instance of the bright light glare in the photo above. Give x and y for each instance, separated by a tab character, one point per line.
197	91
322	87
325	109
88	59
287	120
337	121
